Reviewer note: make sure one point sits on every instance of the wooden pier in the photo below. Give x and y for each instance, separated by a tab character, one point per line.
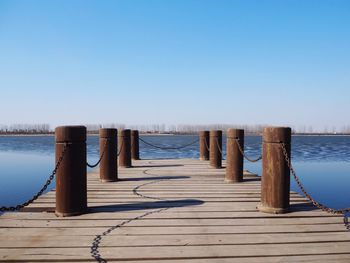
173	211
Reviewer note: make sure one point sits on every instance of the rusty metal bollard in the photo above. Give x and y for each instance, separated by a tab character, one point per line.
108	152
204	145
275	180
234	163
124	141
71	188
135	149
215	149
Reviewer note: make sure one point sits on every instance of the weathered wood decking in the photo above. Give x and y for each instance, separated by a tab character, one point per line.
173	211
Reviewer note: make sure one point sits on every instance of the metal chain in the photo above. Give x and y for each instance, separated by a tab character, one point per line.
206	145
41	191
243	153
120	149
168	148
346	222
217	144
314	202
102	154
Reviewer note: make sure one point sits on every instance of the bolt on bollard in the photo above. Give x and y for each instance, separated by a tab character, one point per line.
204	145
108	155
234	159
71	185
275	180
215	149
124	141
135	148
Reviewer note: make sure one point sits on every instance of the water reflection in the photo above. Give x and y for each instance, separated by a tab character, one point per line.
22	174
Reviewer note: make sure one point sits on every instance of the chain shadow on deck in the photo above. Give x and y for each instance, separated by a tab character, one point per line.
157	206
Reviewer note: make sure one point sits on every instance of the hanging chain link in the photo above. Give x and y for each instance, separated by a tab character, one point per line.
314	202
102	154
48	182
120	149
243	153
169	148
206	145
218	145
346	221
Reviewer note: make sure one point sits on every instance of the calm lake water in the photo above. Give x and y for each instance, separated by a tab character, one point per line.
321	162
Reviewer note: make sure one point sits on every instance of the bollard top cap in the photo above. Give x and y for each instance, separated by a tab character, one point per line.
277	134
108	133
235	132
70	134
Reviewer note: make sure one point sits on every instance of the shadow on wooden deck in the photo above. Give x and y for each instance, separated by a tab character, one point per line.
150	178
157	166
145	205
307	206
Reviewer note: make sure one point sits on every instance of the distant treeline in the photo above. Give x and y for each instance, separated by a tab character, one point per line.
175	129
168	129
193	129
25	129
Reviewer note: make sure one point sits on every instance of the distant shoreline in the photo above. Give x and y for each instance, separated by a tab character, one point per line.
172	134
26	134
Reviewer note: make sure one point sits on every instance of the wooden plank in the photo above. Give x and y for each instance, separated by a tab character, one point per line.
183	252
339	258
173	230
169	214
171	222
172	240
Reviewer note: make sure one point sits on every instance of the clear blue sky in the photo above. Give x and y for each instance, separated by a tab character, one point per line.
175	62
